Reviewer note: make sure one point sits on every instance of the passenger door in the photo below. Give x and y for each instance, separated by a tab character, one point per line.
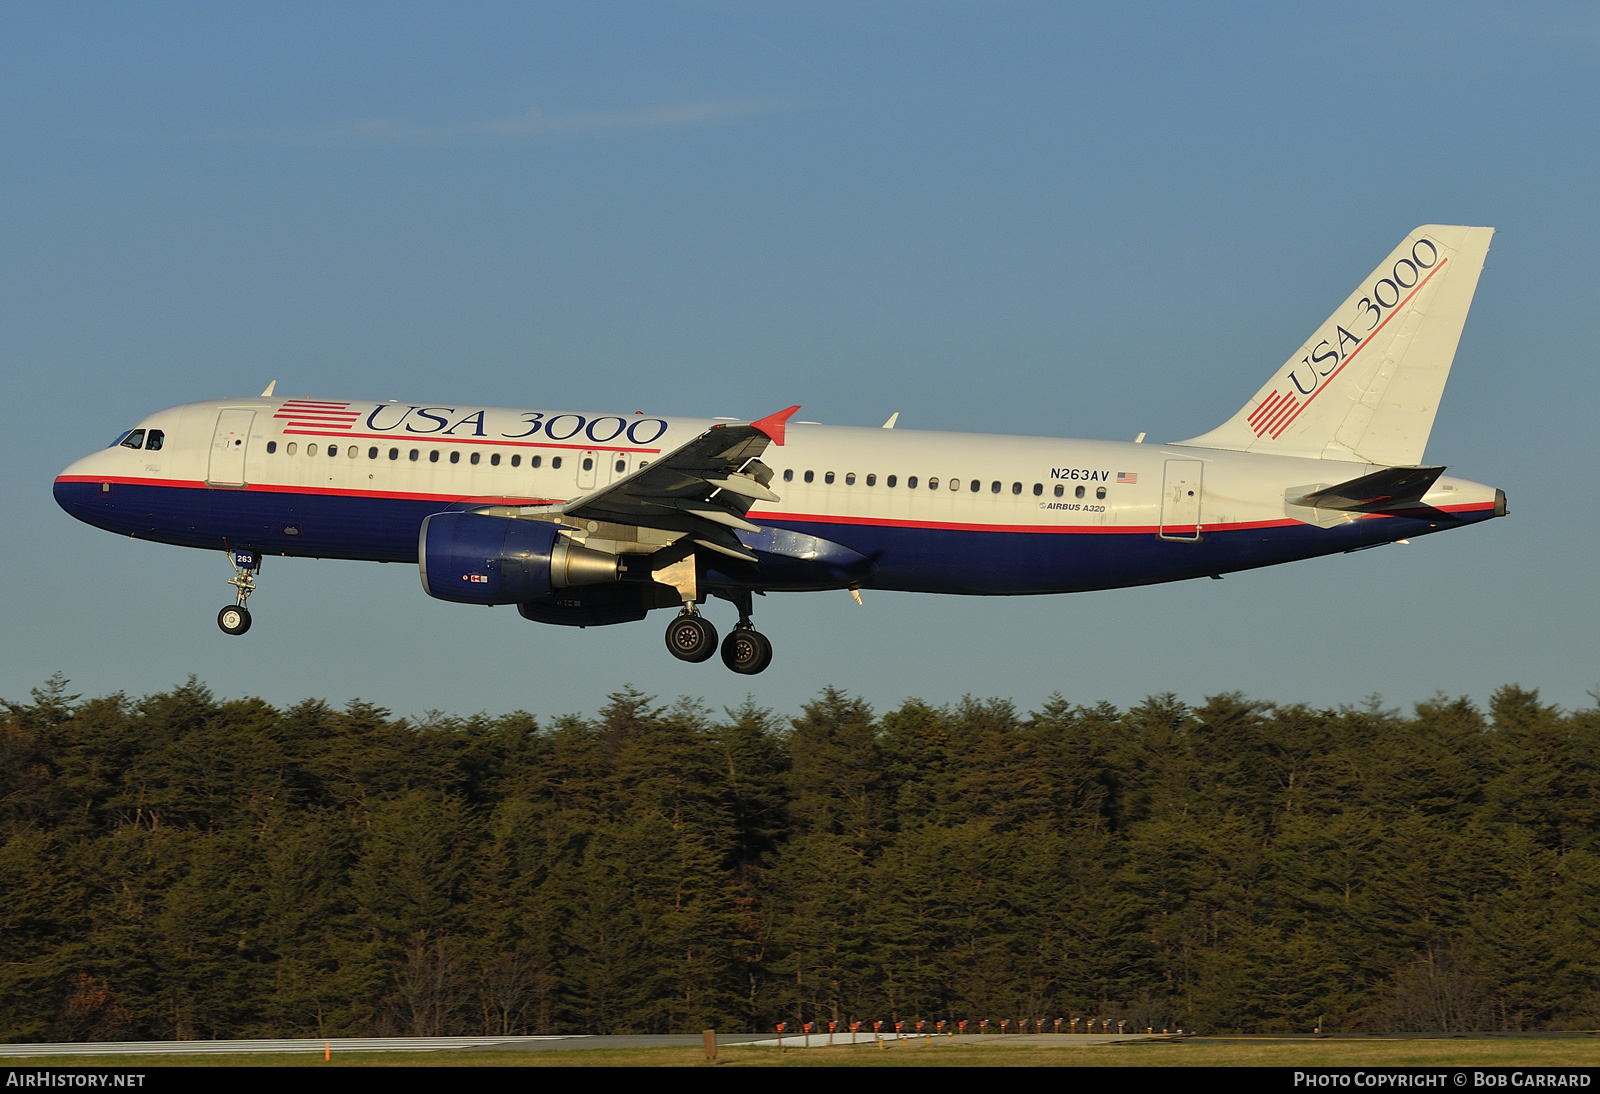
1180	500
228	447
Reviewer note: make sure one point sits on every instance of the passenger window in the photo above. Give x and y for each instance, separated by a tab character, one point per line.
810	475
535	461
414	455
372	453
292	448
872	480
933	484
911	482
455	457
476	456
788	474
849	478
516	461
622	465
311	450
494	459
394	453
955	484
433	457
994	488
333	450
1060	489
134	439
976	486
1100	493
555	462
588	462
1038	488
153	439
1016	488
890	481
1078	493
643	464
272	446
828	478
352	451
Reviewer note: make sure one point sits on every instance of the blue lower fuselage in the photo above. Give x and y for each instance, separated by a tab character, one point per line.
907	556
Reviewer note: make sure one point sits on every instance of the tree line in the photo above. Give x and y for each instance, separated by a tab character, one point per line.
179	866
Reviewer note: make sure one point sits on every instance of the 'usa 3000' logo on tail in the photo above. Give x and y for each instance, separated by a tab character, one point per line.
1371	312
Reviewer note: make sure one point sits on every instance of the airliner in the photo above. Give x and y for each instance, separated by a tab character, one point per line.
590	519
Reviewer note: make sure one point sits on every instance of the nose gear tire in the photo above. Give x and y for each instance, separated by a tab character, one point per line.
234	619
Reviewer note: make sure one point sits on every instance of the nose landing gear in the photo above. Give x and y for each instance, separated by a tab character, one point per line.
235	618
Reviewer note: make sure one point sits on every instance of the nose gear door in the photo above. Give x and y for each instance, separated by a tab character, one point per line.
228	447
1180	500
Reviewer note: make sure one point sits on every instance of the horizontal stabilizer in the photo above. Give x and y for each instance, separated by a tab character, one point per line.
1380	492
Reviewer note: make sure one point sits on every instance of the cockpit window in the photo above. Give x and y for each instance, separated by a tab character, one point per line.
134	439
153	440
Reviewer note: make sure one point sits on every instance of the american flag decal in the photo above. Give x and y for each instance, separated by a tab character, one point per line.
1127	478
1274	414
316	416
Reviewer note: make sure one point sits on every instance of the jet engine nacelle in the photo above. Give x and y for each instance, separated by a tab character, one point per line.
476	559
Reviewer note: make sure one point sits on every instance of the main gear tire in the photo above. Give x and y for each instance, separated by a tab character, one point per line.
746	651
691	638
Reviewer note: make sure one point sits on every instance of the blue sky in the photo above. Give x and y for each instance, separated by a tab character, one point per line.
1045	219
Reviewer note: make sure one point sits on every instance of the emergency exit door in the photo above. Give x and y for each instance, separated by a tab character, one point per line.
588	469
228	447
1180	500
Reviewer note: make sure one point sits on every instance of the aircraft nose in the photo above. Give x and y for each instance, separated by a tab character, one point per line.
77	492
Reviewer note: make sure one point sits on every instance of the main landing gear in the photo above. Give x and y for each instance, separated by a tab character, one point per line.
235	618
692	638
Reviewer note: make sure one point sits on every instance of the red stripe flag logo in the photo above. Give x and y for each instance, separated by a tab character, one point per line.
315	414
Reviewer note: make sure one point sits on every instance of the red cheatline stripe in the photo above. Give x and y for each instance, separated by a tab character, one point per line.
1262	409
814	518
313	402
1394	311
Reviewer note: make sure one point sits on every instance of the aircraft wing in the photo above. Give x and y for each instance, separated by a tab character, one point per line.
704	487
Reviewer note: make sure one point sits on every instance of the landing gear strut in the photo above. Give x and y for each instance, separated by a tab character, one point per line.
745	651
690	637
235	618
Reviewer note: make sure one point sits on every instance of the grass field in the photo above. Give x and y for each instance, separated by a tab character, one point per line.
1198	1052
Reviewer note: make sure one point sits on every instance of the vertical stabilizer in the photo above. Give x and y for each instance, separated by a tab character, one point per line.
1365	387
